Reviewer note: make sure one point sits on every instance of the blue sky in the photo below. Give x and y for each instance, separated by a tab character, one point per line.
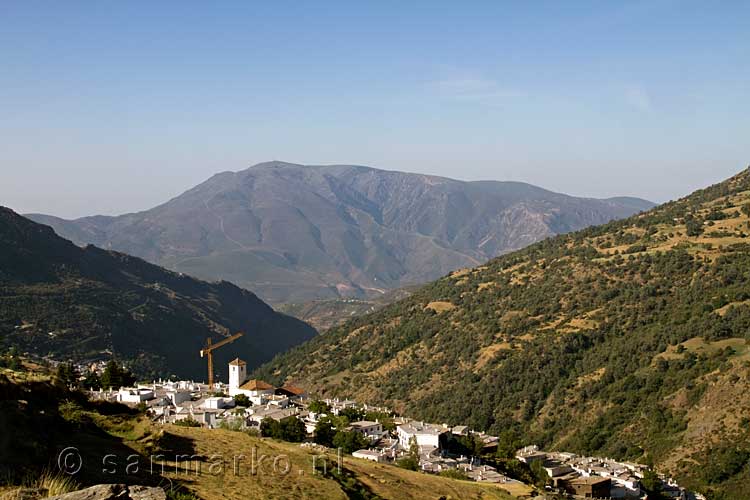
109	107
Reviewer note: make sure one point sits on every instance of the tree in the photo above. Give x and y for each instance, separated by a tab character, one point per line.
414	448
242	400
318	406
67	375
270	428
694	227
652	484
292	429
350	441
287	429
115	376
324	432
351	414
92	381
411	460
540	475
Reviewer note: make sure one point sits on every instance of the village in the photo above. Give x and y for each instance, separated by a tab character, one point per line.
250	404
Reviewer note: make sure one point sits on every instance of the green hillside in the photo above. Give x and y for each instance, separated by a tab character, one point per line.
68	302
627	340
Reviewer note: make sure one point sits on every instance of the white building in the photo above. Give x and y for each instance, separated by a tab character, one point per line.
134	396
427	435
372	455
178	396
237	375
257	391
217	403
370	430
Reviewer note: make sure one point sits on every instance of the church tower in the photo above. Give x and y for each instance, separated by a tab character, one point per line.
237	373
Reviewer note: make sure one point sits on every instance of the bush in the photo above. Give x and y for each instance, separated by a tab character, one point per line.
289	429
454	474
188	422
408	463
242	400
349	441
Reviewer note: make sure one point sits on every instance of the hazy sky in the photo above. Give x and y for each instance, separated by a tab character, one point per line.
109	107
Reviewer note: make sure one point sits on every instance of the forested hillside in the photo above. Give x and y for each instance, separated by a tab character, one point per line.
627	340
77	303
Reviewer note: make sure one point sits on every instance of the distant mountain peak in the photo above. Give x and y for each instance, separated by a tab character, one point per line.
294	233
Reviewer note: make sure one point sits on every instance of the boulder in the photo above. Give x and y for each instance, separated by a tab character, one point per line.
114	492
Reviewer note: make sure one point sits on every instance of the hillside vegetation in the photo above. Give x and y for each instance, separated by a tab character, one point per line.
77	303
296	233
627	340
40	419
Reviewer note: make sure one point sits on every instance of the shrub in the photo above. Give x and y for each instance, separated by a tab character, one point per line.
188	422
454	474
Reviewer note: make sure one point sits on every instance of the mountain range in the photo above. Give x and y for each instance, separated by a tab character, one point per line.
295	233
627	340
69	302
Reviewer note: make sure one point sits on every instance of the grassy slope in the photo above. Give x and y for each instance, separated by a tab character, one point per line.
39	420
573	342
384	481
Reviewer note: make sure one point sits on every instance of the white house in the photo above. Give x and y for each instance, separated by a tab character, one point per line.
370	430
425	434
216	403
178	396
134	396
372	455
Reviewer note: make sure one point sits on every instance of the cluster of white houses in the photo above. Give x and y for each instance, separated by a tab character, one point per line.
596	477
169	402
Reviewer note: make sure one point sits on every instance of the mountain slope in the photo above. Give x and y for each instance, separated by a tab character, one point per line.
627	340
295	233
86	303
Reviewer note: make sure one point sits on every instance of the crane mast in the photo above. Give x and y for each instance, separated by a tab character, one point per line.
208	353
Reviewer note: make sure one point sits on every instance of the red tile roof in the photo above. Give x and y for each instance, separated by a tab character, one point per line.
256	385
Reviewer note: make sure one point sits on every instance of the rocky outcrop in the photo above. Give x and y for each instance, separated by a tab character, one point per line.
114	492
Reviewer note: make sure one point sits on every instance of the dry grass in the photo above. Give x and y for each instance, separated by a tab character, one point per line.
723	310
440	306
300	482
47	484
488	353
697	345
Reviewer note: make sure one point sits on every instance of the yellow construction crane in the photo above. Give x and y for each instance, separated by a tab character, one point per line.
208	351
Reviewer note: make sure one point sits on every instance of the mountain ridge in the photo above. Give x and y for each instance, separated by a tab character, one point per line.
88	303
295	233
629	340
